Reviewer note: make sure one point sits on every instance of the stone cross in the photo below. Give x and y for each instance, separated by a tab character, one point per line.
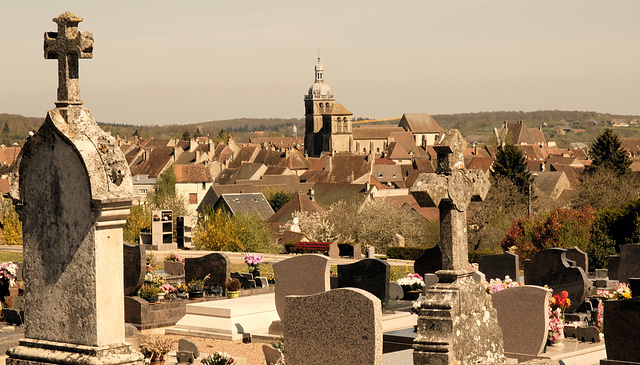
67	46
451	189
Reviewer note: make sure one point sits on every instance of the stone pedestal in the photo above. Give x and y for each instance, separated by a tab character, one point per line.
457	323
40	352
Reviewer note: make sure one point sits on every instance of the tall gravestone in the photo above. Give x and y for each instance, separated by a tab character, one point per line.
72	187
629	264
135	267
341	326
551	267
216	265
371	275
301	275
499	266
457	322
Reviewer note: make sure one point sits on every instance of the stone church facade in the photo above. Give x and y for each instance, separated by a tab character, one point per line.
328	125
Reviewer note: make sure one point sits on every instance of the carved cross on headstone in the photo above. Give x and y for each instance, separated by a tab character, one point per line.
67	46
451	189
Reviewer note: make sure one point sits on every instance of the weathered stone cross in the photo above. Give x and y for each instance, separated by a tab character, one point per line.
67	46
451	189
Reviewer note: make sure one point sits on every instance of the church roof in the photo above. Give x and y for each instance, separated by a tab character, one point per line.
374	132
419	123
339	109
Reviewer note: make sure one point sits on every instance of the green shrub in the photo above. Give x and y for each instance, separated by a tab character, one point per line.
405	253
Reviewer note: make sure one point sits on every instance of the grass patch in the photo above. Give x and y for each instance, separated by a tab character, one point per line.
10	256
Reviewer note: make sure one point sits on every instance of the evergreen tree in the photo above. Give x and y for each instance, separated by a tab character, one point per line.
607	152
6	129
510	163
197	133
186	135
136	133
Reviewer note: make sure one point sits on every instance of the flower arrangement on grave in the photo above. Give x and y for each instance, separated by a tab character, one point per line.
182	288
271	279
149	292
154	278
197	285
8	272
557	305
168	288
155	347
218	358
416	307
174	257
621	291
496	285
411	282
474	266
253	260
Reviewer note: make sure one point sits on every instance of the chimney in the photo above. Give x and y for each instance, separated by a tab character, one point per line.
475	148
175	153
311	194
192	144
198	155
327	163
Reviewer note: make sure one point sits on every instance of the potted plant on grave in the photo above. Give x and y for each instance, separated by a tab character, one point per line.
151	267
174	264
148	292
155	347
196	287
182	291
167	291
218	358
412	285
233	287
253	260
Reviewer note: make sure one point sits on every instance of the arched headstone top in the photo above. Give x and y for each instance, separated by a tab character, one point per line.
107	169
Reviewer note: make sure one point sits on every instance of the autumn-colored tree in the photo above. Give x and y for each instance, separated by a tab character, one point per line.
563	228
11	224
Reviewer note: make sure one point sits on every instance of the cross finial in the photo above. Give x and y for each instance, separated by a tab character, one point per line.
67	45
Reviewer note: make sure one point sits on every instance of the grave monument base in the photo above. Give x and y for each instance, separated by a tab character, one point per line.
458	323
617	362
41	352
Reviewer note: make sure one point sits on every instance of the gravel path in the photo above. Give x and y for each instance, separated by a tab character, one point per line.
250	351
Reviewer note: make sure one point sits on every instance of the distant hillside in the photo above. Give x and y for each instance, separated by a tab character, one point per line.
577	126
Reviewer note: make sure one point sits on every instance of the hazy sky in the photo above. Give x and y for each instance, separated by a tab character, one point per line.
162	62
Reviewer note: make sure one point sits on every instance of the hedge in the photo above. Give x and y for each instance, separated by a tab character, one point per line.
405	253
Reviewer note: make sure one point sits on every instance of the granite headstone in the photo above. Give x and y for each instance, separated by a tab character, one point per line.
371	275
499	266
395	291
429	262
338	326
551	267
613	264
216	265
523	318
135	267
300	275
580	257
621	334
629	262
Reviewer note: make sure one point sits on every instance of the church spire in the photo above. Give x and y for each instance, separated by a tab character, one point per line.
319	72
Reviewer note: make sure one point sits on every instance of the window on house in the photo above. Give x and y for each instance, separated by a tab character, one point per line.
379	174
193	198
204	185
142	191
394	174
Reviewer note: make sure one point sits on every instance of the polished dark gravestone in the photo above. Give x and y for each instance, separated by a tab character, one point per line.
429	262
371	275
621	334
499	266
629	266
580	257
135	267
551	267
216	265
613	264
